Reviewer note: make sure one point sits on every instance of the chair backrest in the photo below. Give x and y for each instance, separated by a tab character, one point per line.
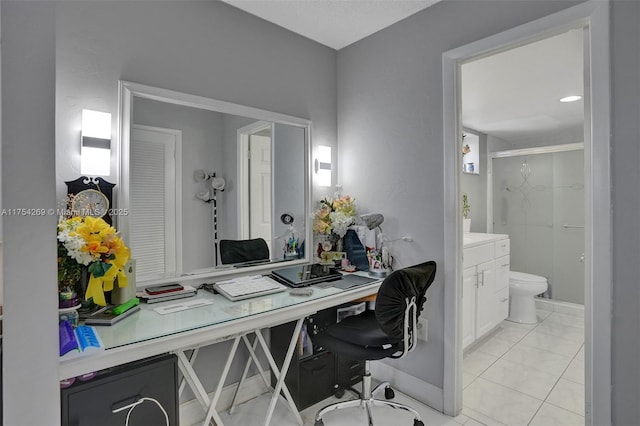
397	289
238	251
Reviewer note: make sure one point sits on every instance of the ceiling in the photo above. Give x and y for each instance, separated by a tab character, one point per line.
512	95
515	95
334	23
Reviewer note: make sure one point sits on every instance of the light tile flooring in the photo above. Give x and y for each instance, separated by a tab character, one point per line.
519	375
528	374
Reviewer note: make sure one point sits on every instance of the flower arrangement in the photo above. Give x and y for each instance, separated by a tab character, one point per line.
334	216
88	242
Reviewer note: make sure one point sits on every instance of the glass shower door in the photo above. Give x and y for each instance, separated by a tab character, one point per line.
538	200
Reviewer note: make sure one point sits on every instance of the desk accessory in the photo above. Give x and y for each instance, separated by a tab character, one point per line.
110	317
247	287
302	291
177	307
301	276
79	341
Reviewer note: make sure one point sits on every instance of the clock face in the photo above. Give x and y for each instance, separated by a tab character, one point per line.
90	203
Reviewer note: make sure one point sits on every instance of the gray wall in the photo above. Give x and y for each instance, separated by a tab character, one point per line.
30	332
287	173
390	123
625	65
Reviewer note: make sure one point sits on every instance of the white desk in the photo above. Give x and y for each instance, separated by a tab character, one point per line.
148	333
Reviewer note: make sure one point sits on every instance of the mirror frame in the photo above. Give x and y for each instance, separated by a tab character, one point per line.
127	91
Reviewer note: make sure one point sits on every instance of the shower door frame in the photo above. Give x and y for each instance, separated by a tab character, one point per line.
516	153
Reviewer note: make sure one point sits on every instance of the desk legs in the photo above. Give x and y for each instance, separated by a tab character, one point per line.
209	405
212	413
253	358
191	378
280	375
192	360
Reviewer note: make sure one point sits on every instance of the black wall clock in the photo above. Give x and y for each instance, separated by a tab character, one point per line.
93	196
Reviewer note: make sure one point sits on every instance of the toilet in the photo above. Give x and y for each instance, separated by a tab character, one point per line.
522	288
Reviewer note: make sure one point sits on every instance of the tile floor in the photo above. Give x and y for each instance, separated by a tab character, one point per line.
527	374
519	375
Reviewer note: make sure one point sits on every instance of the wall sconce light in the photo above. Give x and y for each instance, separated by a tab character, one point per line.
323	165
95	152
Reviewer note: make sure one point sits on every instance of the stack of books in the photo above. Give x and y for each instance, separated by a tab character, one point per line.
166	292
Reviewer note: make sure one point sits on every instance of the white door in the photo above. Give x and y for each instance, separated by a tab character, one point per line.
154	214
260	188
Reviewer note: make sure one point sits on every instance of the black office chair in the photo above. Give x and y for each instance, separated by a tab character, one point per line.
240	251
389	332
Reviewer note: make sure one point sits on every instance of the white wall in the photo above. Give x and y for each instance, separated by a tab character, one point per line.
390	122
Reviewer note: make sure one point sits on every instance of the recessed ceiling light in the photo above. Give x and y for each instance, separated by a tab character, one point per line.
572	98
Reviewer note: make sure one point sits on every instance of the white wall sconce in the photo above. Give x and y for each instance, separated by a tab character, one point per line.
323	165
95	152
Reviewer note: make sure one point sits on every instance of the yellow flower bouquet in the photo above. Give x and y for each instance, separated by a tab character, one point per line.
93	243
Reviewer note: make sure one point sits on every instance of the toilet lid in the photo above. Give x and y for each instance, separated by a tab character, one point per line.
522	278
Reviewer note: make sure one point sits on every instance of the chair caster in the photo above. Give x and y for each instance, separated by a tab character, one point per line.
389	393
416	422
338	392
319	422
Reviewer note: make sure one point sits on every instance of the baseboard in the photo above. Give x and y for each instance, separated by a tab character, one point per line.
191	412
409	385
560	307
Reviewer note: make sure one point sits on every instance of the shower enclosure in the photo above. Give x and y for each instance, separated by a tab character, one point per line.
536	196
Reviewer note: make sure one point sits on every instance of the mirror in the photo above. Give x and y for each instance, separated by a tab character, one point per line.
195	171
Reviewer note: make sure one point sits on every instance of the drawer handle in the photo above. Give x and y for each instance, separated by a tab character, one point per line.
504	299
506	265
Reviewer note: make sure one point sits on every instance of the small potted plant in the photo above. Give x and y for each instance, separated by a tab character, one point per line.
466	208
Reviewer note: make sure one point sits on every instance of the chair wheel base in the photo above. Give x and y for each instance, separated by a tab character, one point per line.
416	422
319	422
338	392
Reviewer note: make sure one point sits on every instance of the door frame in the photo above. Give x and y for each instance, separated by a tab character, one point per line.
593	17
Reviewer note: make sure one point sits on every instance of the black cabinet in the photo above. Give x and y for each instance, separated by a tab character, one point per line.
93	402
317	375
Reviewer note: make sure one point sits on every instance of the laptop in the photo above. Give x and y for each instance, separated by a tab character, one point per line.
300	276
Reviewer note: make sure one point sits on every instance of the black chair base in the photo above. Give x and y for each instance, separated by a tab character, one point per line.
368	401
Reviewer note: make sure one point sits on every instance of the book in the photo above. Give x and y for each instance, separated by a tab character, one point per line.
109	317
74	342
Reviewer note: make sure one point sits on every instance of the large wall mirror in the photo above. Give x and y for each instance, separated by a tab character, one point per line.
195	171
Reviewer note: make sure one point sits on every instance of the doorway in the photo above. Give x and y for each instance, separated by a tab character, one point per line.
592	17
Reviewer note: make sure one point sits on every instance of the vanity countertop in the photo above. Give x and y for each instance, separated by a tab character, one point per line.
473	239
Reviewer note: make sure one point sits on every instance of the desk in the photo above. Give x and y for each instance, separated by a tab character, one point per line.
148	333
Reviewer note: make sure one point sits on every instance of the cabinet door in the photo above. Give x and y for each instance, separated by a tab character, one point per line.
485	299
469	281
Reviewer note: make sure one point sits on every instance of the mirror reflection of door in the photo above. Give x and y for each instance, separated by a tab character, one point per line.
260	185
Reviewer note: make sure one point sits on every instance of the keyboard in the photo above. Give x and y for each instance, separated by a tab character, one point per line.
248	286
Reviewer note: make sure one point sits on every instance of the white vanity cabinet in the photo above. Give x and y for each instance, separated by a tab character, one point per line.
485	284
